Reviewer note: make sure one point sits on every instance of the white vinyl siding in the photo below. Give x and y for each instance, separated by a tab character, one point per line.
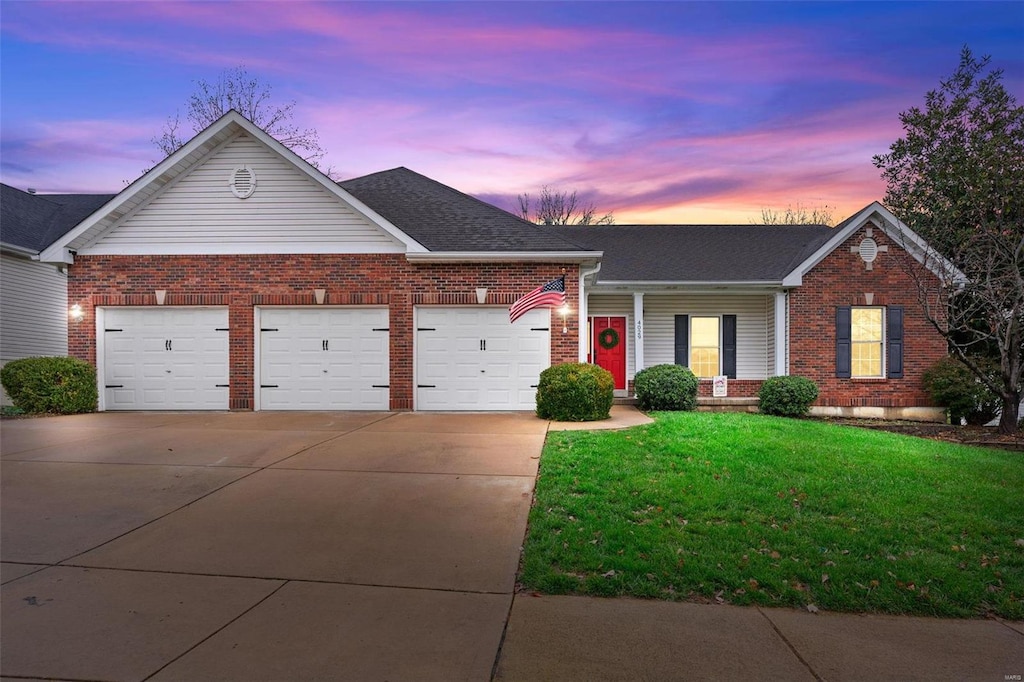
287	213
616	306
753	325
35	309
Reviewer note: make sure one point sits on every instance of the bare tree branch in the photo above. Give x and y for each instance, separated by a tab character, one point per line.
556	207
236	89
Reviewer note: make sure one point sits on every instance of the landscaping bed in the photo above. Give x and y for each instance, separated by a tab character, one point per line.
983	436
749	509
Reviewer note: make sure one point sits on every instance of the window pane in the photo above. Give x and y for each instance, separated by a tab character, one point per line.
867	324
704	332
704	362
867	359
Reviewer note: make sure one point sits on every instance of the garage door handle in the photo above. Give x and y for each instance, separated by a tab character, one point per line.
113	330
167	344
381	329
269	386
222	329
381	386
267	329
425	386
426	329
223	386
114	386
534	385
540	329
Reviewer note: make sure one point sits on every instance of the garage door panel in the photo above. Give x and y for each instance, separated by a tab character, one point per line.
324	358
455	371
165	358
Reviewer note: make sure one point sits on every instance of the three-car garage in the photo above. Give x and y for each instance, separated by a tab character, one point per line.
320	358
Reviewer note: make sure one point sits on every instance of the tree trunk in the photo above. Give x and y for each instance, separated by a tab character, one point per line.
1010	415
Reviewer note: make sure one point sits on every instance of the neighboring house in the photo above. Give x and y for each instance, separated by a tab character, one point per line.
33	295
234	275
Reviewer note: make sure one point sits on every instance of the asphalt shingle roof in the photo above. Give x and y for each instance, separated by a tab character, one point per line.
34	221
444	219
698	253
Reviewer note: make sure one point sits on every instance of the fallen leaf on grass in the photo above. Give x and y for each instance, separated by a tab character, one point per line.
1019	542
811	608
609	574
824	578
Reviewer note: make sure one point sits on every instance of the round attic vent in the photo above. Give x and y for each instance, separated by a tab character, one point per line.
243	182
868	250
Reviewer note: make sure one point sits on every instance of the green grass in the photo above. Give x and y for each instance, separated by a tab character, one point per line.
749	509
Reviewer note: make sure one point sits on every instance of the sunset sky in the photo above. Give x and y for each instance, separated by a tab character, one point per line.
660	112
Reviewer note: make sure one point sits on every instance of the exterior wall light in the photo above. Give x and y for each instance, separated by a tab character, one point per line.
75	313
564	311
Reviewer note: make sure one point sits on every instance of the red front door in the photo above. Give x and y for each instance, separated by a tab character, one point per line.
609	345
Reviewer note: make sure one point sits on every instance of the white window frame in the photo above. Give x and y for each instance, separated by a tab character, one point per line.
882	342
692	346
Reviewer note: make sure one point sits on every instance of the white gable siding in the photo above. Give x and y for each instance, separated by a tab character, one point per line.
753	328
287	213
617	306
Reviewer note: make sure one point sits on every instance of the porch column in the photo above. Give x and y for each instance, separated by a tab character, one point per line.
638	331
781	335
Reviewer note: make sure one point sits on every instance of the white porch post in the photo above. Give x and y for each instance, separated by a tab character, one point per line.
638	330
781	334
583	340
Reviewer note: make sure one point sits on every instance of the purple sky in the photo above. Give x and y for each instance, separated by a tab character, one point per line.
660	112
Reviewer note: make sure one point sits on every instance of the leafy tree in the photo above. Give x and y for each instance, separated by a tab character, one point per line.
956	179
236	89
798	215
561	208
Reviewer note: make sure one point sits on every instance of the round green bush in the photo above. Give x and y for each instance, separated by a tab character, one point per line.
56	385
666	387
787	396
953	386
575	392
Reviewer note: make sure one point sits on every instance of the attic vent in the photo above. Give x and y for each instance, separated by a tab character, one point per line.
868	250
243	182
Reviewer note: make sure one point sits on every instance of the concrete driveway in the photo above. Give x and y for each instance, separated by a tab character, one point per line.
266	546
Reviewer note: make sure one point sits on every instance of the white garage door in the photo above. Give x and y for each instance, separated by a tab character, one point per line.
323	359
474	359
165	358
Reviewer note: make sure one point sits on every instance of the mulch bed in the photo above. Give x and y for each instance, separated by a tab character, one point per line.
983	436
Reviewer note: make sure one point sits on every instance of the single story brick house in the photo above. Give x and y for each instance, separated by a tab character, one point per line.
233	275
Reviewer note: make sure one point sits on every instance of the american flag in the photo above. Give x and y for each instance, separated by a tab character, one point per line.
551	294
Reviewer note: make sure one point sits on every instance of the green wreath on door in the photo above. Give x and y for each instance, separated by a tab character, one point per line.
608	339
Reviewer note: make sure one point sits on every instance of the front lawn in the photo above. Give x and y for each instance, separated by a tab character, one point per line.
750	509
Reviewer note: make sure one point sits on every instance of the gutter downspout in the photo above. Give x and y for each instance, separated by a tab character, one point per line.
584	341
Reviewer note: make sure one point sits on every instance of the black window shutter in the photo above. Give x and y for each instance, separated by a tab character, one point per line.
894	339
729	346
683	340
843	323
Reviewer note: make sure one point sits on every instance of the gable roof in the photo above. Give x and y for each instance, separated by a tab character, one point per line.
31	222
704	254
182	161
895	229
445	219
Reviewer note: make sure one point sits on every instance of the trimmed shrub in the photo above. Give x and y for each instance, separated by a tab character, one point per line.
953	386
55	385
666	387
575	392
787	396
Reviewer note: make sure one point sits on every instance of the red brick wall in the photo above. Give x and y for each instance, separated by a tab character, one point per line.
842	279
243	282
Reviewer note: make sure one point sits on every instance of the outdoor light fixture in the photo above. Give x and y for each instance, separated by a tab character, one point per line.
564	310
481	295
76	313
